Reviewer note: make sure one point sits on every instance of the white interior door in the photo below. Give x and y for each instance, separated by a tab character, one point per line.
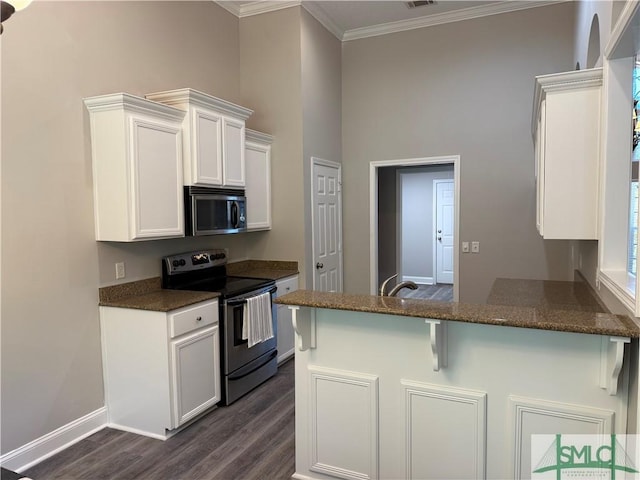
444	221
327	226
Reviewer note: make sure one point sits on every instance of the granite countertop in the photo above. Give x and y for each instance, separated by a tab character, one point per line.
271	269
149	295
545	305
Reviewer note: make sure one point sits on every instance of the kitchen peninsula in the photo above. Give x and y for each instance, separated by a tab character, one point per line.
399	388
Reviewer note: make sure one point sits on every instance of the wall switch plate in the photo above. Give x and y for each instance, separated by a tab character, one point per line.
475	247
120	270
465	247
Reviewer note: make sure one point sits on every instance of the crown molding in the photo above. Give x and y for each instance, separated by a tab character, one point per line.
258	7
321	16
556	82
179	97
231	7
445	17
316	10
255	136
126	101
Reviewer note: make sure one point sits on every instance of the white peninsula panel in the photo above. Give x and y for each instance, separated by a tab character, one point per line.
470	418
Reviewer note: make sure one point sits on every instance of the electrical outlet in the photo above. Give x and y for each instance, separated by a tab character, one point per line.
465	247
475	247
120	270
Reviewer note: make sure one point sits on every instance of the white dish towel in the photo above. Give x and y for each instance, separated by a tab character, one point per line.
257	320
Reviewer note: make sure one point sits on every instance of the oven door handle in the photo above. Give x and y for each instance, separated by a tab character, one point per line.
244	300
241	373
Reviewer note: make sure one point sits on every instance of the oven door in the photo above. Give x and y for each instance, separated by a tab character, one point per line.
236	353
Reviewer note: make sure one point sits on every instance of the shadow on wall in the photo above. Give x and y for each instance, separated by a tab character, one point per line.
593	51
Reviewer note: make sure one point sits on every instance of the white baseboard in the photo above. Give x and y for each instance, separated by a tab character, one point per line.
286	355
144	433
419	280
34	452
297	476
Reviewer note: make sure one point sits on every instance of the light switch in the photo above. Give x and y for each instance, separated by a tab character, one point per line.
465	247
120	270
475	247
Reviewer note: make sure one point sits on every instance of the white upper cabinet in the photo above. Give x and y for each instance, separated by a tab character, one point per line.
214	132
566	130
258	176
136	148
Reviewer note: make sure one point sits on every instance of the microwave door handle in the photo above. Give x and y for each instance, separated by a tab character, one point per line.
234	214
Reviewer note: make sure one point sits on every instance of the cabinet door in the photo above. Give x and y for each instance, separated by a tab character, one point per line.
195	375
156	179
233	152
206	161
571	153
286	334
258	186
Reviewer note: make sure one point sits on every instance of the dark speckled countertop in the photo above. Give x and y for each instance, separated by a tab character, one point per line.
545	305
273	269
148	294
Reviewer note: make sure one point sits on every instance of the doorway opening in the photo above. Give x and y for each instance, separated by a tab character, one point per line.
410	200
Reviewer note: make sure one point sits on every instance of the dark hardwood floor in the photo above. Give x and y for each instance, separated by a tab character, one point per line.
250	439
438	293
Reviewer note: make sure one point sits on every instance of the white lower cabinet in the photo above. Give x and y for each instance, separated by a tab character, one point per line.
161	369
194	379
286	334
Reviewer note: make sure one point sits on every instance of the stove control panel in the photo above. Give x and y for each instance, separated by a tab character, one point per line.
190	261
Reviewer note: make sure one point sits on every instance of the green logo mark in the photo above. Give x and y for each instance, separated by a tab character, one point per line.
602	456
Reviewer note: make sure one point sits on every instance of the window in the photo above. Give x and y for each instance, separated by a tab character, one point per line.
619	212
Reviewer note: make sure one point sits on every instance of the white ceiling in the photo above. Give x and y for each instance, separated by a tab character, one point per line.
349	19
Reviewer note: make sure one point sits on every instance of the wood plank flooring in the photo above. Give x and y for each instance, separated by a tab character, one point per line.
438	293
251	439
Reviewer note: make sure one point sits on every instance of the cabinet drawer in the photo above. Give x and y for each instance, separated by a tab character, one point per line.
192	318
287	285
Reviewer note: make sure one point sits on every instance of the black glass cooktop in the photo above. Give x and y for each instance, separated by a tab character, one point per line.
227	286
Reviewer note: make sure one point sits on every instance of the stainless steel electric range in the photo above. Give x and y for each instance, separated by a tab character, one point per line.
243	368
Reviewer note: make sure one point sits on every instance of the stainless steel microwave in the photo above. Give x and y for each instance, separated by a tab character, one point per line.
213	211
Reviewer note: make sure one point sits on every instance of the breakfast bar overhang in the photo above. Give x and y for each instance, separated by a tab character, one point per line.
391	388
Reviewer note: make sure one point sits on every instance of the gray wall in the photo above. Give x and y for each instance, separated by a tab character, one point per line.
53	55
464	88
321	112
416	219
51	359
270	81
